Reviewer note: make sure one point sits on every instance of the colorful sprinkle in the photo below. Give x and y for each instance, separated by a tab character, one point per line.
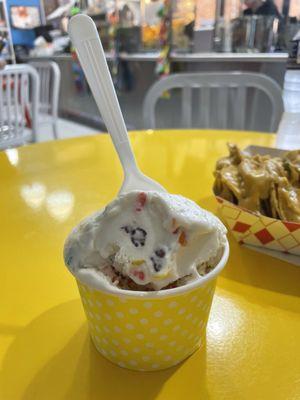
137	262
140	201
139	274
182	239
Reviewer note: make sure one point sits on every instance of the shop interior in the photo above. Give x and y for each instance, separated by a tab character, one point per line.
144	41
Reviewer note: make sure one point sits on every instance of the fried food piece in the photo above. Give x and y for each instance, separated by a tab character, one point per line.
288	201
234	158
291	162
256	181
263	184
293	156
273	201
228	180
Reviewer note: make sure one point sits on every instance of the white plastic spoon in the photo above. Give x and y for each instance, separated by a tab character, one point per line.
85	38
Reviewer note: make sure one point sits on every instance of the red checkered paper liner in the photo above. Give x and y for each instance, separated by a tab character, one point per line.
261	231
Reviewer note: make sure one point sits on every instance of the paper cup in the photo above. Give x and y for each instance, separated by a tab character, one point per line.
149	331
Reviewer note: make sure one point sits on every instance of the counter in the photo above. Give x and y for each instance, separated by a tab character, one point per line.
139	73
186	57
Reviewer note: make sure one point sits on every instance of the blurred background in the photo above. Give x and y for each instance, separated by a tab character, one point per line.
146	40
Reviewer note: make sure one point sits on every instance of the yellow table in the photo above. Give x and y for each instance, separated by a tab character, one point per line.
253	338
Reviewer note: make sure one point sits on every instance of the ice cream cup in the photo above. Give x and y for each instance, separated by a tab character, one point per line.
149	331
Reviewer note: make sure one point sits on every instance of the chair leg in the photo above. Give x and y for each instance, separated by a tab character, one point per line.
55	129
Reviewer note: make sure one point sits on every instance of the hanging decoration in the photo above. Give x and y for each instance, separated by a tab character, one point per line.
163	62
78	74
113	19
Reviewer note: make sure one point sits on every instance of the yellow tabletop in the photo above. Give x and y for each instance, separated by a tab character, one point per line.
253	337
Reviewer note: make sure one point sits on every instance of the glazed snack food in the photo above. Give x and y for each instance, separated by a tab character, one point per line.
146	242
263	184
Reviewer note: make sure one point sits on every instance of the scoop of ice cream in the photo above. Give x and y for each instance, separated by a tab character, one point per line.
150	237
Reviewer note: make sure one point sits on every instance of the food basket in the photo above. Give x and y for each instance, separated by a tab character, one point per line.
258	230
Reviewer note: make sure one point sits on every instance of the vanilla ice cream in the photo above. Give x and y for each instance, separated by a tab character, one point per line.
152	239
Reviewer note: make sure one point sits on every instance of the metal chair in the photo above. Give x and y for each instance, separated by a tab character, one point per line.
49	74
19	88
223	100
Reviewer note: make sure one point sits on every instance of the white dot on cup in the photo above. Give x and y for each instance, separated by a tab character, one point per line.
139	336
121	364
193	299
163	337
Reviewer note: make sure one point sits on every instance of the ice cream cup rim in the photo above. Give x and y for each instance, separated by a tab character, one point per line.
161	293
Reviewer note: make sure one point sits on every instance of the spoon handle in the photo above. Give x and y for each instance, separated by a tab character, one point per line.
85	38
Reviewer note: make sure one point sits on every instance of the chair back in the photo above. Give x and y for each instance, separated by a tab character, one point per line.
50	76
220	100
19	88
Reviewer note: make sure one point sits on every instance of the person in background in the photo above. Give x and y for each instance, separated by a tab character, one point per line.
261	7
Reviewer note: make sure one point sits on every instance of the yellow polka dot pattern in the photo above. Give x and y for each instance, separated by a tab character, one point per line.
147	334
